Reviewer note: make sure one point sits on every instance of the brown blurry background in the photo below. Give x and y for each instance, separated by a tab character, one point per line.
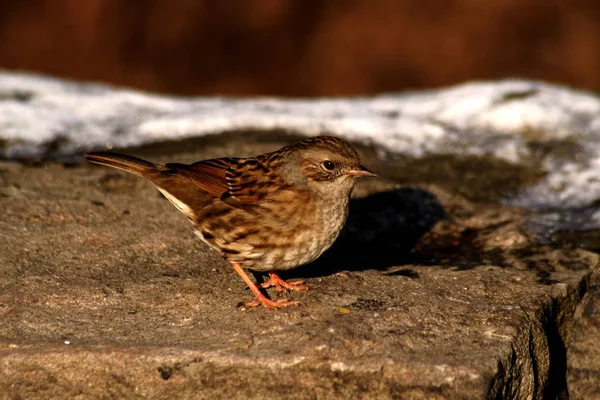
302	47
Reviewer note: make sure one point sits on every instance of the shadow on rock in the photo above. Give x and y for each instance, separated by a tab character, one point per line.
380	232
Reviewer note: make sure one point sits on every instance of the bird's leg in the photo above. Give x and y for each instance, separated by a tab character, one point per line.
261	299
281	285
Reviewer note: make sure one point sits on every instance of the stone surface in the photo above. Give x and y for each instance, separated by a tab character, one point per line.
584	346
105	292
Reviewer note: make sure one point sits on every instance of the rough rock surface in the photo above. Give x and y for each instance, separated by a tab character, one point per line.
105	292
584	349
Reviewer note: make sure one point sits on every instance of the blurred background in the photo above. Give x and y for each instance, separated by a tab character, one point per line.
302	47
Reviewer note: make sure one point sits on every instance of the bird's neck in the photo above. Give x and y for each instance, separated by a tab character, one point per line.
333	211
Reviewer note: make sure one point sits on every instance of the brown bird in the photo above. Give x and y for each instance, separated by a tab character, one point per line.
268	213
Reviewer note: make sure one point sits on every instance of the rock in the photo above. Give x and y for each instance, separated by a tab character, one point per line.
583	350
105	291
444	283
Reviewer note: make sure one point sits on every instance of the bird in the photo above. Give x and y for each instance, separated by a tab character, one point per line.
267	213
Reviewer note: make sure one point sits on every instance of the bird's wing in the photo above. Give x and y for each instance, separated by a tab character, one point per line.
237	182
251	182
209	175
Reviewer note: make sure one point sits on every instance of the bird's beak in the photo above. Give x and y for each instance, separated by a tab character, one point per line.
361	171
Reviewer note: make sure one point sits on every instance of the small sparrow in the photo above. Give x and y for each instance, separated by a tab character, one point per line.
268	213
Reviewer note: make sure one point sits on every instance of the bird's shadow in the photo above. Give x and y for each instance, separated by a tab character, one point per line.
380	232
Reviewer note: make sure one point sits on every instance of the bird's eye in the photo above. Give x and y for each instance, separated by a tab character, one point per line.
329	165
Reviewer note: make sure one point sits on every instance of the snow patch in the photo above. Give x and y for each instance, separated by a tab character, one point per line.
501	119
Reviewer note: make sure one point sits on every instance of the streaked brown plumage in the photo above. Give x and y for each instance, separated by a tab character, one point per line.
267	213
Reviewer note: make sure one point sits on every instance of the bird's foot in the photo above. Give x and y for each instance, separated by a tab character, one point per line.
261	299
282	285
269	304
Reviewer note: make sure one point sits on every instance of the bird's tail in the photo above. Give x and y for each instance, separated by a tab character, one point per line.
131	164
175	186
